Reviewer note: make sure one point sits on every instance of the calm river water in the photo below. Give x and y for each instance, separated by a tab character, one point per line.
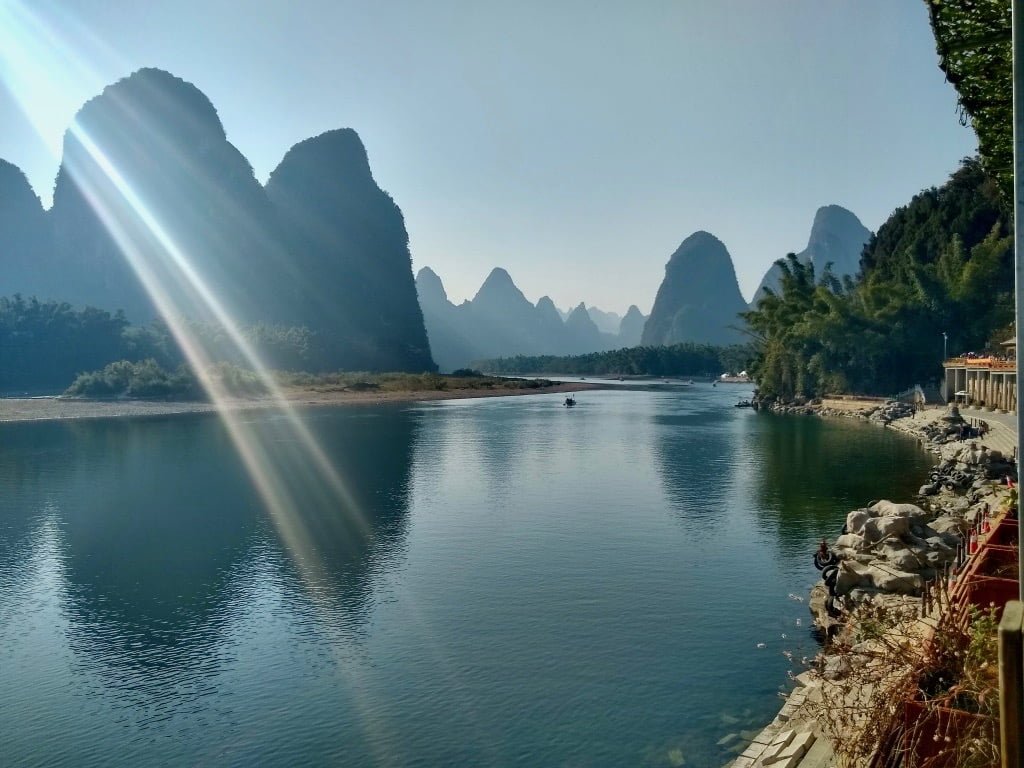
510	583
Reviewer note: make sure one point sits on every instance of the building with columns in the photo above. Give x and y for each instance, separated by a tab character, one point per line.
985	382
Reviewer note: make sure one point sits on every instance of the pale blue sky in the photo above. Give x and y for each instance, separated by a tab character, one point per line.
576	144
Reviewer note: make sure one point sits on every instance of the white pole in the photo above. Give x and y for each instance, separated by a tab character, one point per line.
1018	226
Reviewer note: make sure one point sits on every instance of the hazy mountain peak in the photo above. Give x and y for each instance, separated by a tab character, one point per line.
429	286
151	94
699	299
607	322
343	146
837	237
580	318
499	276
631	327
499	288
15	187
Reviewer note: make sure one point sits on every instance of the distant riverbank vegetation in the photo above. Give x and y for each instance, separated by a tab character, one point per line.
147	380
674	360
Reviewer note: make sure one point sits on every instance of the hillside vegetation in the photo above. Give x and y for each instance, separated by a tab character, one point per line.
942	263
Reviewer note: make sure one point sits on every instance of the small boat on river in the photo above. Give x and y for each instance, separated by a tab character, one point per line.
570	402
745	404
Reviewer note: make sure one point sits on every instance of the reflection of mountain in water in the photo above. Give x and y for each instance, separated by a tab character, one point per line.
694	456
159	522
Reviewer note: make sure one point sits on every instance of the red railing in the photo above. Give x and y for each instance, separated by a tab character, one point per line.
984	363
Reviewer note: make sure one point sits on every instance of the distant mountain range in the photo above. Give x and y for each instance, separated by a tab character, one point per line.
153	208
501	322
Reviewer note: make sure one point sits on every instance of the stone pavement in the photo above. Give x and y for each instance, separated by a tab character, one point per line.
791	740
1002	434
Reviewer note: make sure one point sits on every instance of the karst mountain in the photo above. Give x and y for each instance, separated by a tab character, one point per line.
837	238
699	300
501	322
155	212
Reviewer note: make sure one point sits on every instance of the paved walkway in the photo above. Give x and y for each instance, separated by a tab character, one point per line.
1002	435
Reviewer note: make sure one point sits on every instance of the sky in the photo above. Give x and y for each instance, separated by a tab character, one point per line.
575	144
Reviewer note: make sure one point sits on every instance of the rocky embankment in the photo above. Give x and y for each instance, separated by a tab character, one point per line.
888	554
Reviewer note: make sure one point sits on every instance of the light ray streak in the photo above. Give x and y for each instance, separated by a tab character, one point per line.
34	59
263	469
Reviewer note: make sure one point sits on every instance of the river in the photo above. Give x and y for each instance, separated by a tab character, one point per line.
508	582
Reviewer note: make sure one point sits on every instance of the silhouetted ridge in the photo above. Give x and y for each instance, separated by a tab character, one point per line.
450	345
350	255
24	237
699	300
500	321
148	160
429	286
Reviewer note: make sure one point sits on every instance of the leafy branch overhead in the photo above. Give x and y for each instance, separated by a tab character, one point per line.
973	40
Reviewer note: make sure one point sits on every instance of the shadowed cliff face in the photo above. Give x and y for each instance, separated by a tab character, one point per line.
699	299
837	238
24	237
352	272
150	185
149	176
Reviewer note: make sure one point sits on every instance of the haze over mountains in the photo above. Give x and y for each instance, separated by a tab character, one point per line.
155	211
500	321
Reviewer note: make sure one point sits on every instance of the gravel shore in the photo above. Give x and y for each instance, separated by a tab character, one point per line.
58	408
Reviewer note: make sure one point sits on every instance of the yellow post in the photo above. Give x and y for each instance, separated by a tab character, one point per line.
1011	665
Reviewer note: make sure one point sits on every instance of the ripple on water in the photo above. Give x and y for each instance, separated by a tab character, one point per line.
532	585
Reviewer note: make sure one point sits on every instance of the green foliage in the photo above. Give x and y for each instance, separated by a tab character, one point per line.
44	344
942	263
144	380
406	382
674	360
973	40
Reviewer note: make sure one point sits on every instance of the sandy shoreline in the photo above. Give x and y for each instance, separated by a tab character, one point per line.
58	408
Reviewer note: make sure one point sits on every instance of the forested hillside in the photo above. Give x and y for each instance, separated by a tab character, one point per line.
942	263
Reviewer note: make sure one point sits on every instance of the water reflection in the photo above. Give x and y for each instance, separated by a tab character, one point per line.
809	472
695	456
159	527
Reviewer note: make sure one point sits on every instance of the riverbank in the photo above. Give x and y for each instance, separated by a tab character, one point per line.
64	408
797	738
